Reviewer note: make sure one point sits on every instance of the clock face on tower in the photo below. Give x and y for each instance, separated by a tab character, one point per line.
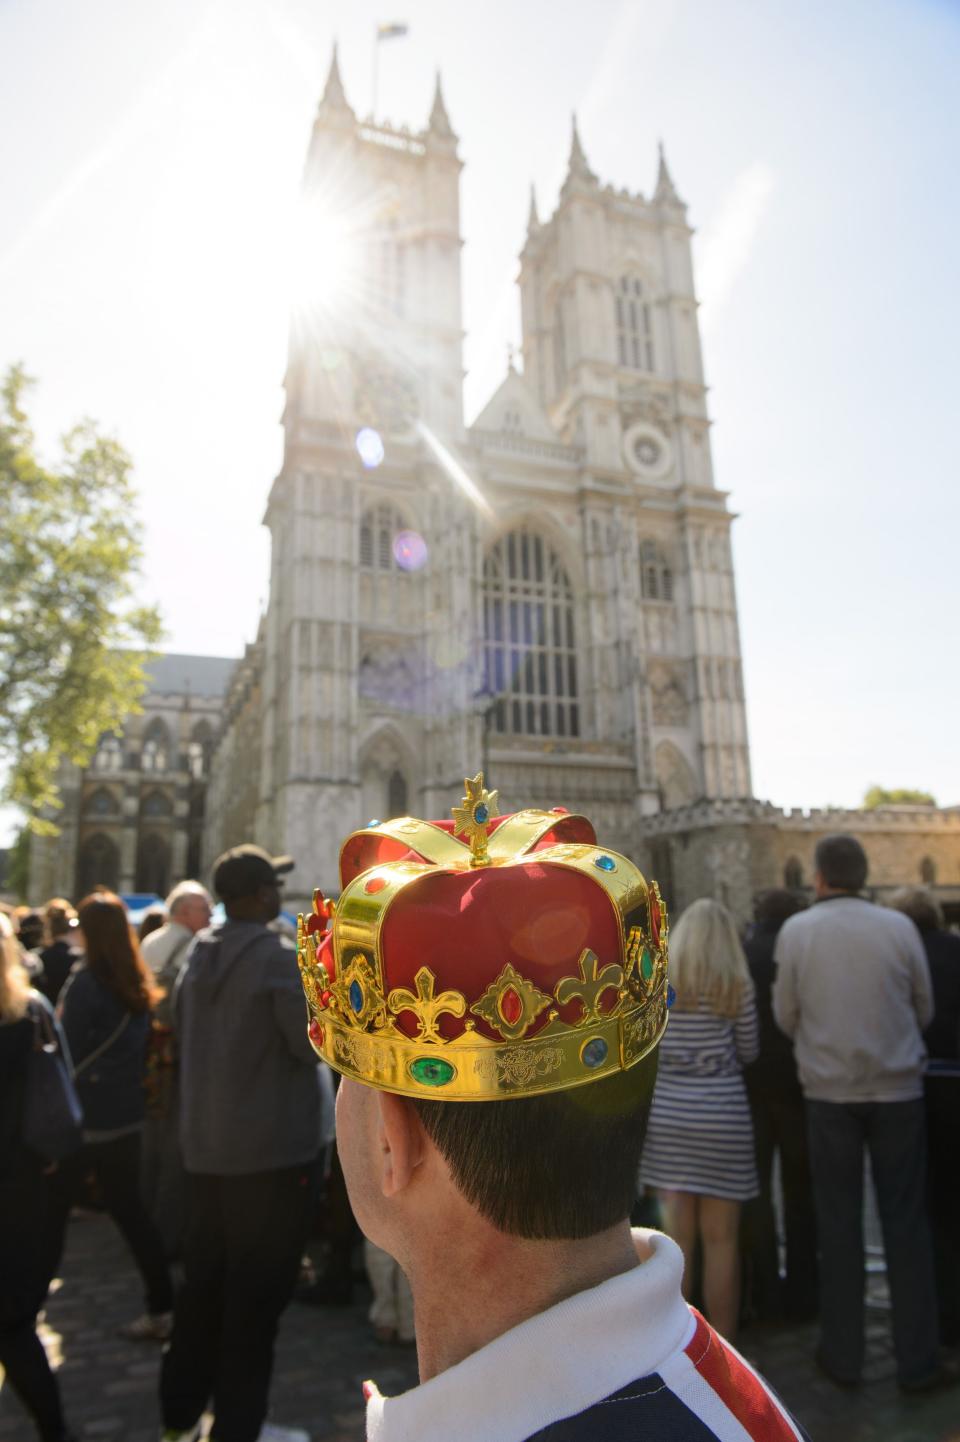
647	452
384	396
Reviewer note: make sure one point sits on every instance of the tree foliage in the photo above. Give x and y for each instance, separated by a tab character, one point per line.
73	640
900	796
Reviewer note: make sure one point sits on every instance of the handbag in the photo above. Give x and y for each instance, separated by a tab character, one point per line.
52	1114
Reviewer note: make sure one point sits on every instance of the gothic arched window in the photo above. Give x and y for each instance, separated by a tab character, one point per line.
397	804
156	804
928	871
98	864
153	864
634	326
559	348
100	802
109	754
656	577
530	657
155	754
379	529
793	875
200	750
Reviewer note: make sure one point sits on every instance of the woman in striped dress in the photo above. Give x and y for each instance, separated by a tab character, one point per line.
698	1152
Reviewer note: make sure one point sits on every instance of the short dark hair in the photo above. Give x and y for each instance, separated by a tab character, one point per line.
841	861
775	906
562	1165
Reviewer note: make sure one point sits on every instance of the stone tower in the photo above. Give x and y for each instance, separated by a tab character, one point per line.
611	349
547	593
352	722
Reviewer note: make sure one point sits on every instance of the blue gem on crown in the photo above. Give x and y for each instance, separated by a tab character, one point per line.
481	814
374	822
671	995
594	1054
356	996
605	863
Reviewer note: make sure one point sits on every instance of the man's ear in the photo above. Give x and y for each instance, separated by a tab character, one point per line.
402	1143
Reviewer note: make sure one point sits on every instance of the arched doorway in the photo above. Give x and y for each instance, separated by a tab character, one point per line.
98	864
153	864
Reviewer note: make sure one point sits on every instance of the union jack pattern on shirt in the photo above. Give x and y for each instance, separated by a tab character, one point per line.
705	1391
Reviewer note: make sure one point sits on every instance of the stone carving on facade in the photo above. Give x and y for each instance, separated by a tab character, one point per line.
668	701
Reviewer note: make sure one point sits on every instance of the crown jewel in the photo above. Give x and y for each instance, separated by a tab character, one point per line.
522	959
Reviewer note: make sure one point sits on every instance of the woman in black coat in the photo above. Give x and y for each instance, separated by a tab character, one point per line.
105	1013
26	1262
942	1098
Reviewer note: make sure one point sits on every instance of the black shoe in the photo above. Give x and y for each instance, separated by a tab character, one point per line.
835	1377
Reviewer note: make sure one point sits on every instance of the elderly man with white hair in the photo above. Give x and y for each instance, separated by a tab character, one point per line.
189	908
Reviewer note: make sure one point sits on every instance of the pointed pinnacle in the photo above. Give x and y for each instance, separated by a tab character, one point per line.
533	219
333	92
578	160
439	119
666	190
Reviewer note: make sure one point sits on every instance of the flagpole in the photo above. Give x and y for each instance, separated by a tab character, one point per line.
376	70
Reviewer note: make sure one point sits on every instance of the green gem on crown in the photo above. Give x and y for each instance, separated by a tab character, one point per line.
432	1071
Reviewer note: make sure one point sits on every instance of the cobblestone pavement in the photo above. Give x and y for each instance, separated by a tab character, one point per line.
323	1356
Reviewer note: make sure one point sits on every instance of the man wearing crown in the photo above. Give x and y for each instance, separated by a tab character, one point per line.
493	991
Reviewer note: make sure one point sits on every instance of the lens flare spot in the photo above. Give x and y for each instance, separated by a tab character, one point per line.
369	447
410	551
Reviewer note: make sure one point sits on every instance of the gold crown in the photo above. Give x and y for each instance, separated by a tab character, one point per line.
416	1033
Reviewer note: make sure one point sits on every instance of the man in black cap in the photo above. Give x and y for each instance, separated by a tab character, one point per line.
250	1133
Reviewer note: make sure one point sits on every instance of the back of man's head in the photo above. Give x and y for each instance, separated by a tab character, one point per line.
559	1166
773	907
841	862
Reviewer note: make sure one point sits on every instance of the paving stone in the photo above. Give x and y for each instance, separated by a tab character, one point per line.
324	1354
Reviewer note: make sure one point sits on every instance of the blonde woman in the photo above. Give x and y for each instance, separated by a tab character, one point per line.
698	1153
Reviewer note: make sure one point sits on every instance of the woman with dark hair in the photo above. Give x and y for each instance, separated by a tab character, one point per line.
105	1012
24	1200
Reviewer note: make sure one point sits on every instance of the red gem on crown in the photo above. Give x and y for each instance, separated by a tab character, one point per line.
511	1006
654	919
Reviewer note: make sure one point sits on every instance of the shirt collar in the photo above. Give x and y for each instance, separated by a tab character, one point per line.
553	1365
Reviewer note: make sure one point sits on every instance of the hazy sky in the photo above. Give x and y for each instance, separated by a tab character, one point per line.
150	165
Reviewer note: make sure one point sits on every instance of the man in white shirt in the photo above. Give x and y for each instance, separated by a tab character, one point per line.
494	1006
853	991
189	908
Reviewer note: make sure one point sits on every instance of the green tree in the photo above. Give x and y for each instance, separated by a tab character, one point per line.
902	796
73	640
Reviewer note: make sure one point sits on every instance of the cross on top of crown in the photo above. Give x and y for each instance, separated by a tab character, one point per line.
473	816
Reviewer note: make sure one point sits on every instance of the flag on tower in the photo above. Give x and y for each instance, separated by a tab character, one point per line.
390	31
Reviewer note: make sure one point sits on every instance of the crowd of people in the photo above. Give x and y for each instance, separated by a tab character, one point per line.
830	1033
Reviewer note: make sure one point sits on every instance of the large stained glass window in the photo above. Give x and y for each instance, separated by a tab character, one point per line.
530	657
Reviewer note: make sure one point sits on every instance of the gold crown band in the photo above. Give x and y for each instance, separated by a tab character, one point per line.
471	1068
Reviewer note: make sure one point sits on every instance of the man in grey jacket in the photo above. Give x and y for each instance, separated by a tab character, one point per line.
853	991
250	1132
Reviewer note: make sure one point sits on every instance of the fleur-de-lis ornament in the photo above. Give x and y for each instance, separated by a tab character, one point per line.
473	816
591	986
426	1007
